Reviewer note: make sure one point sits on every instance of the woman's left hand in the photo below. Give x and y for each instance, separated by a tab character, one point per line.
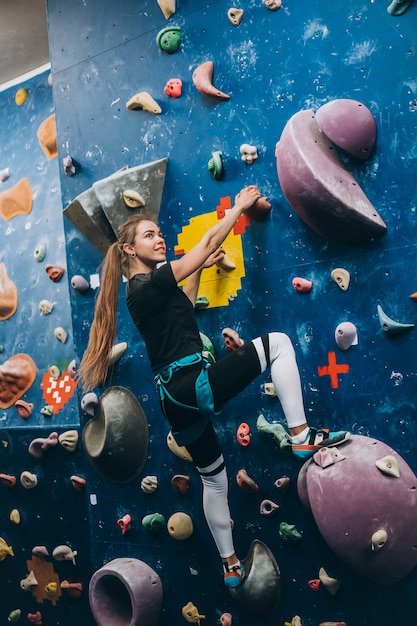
214	258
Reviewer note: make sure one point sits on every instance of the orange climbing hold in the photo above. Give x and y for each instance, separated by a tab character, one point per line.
47	137
17	375
17	200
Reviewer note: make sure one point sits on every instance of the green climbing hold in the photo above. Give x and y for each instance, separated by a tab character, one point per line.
169	39
275	431
289	533
154	522
215	165
208	349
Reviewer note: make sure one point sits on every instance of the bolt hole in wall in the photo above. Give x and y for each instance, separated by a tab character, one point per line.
314	41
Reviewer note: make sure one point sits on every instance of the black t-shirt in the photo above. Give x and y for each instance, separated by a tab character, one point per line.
163	315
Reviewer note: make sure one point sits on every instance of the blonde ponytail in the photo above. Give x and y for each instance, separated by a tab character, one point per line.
94	365
93	368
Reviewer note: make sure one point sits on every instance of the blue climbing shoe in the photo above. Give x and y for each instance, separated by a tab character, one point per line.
233	575
318	438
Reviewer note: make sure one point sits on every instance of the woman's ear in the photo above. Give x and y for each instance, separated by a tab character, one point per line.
128	248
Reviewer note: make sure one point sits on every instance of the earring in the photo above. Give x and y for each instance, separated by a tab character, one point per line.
133	255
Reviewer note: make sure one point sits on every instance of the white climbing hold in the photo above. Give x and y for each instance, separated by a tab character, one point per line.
388	465
341	277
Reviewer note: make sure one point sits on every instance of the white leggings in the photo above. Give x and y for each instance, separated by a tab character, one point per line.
276	351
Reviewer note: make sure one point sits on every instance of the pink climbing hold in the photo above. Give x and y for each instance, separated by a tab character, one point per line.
328	456
173	88
243	434
125	523
232	341
8	480
245	482
314	584
302	285
268	507
283	483
38	446
202	79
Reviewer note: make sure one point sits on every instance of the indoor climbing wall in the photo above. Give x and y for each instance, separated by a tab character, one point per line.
315	103
44	545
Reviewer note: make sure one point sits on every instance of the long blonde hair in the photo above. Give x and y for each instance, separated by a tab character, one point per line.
94	365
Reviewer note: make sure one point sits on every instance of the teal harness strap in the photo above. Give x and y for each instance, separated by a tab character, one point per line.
204	395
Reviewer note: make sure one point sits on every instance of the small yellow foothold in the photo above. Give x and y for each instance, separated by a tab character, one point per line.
341	277
191	614
143	100
51	589
5	549
21	96
15	516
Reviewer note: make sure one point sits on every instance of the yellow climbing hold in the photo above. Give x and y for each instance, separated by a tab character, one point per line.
191	614
15	516
5	549
21	96
51	588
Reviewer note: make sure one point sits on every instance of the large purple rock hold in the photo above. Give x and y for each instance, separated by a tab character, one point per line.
318	186
350	125
352	500
125	592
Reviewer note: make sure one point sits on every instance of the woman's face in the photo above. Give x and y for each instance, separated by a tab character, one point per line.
149	245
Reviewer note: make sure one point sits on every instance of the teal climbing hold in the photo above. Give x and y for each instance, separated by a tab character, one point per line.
390	326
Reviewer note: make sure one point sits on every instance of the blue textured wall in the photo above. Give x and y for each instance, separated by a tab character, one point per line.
273	65
52	511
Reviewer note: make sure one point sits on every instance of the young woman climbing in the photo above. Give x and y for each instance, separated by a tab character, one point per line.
191	391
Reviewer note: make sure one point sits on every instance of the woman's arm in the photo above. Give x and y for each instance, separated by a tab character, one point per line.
214	237
193	282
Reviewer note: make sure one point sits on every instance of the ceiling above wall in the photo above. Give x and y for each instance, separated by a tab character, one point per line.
23	38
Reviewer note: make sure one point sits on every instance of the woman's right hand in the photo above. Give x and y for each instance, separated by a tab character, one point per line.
247	197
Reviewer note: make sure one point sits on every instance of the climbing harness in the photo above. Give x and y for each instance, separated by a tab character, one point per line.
204	395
